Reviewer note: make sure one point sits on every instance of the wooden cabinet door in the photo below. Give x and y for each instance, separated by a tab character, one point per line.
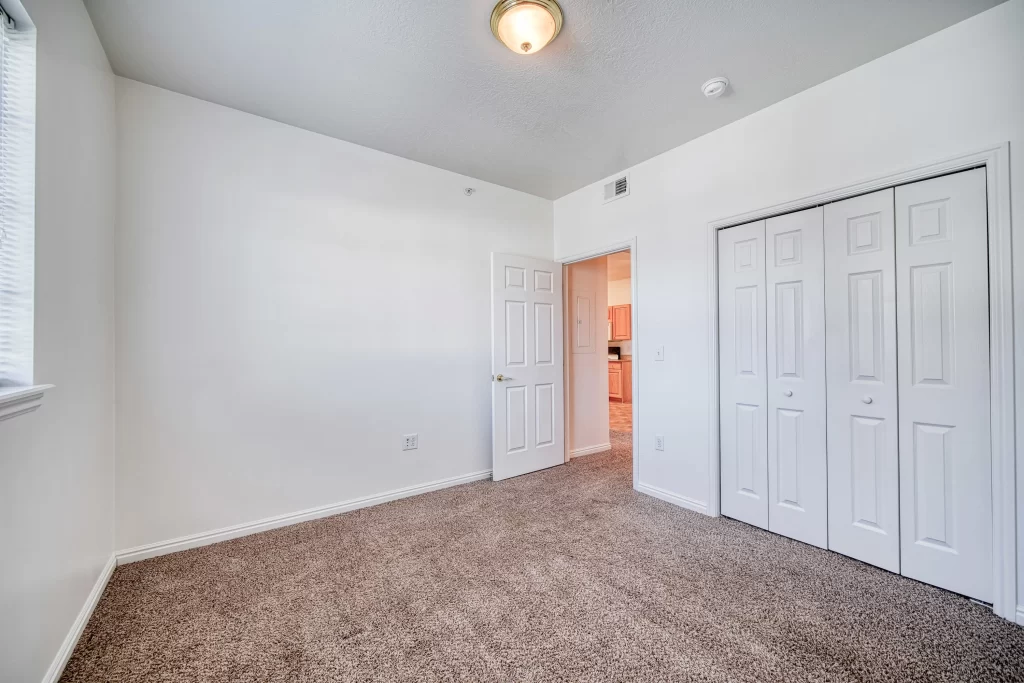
626	379
621	322
614	381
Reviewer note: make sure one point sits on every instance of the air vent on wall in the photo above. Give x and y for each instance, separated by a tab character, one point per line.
616	189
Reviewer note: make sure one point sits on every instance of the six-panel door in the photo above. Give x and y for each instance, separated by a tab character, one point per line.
860	342
526	360
944	438
795	277
743	381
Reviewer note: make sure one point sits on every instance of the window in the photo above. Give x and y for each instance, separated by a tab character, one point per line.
17	198
18	394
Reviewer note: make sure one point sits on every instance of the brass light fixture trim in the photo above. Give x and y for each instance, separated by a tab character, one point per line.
504	6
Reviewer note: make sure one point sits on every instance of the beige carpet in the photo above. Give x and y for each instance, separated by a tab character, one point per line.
562	575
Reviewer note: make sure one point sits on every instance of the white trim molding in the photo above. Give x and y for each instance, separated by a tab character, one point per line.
599	448
996	161
71	640
144	552
15	401
674	498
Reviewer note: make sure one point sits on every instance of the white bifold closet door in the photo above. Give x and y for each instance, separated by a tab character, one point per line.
944	438
860	333
742	373
797	467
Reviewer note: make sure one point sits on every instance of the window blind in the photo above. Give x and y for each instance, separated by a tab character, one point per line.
17	201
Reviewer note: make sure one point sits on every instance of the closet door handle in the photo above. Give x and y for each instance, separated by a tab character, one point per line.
868	399
787	393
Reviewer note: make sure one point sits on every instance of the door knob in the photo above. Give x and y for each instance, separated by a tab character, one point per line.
787	393
868	399
502	378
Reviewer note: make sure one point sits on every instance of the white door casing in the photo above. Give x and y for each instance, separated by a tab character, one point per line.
795	293
860	341
743	373
945	442
528	422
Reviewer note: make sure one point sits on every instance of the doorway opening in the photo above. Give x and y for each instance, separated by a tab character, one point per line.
555	392
600	376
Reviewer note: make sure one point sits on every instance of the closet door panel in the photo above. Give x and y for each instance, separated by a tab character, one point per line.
795	294
742	373
860	334
945	447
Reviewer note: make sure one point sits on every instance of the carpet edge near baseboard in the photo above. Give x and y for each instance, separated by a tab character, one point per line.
144	552
674	498
63	656
588	450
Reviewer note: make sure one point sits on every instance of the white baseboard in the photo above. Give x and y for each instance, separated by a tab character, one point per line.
599	448
675	499
174	545
1020	615
68	646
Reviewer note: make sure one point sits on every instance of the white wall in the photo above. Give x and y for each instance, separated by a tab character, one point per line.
56	464
289	305
955	92
588	372
619	292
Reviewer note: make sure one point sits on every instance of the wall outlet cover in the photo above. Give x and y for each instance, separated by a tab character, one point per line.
410	442
659	353
659	442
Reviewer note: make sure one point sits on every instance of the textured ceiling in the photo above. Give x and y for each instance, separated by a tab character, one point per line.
426	79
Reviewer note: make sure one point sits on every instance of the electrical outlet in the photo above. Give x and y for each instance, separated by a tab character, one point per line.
410	442
659	353
659	442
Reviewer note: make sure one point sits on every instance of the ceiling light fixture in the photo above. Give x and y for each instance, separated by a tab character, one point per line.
715	87
526	26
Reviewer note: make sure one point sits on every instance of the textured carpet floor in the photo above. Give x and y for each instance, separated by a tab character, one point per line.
561	575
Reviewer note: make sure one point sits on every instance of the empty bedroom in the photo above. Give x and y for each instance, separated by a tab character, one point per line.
511	340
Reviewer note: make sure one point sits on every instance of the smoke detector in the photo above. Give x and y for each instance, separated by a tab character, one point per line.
715	87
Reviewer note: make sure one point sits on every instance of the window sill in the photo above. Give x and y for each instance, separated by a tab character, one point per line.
15	401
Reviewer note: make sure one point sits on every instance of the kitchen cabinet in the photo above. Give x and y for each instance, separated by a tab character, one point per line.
622	322
620	380
614	379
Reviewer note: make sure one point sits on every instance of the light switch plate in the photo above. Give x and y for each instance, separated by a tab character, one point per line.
659	442
410	442
659	353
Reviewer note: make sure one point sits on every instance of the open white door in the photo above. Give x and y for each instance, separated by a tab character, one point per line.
527	411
